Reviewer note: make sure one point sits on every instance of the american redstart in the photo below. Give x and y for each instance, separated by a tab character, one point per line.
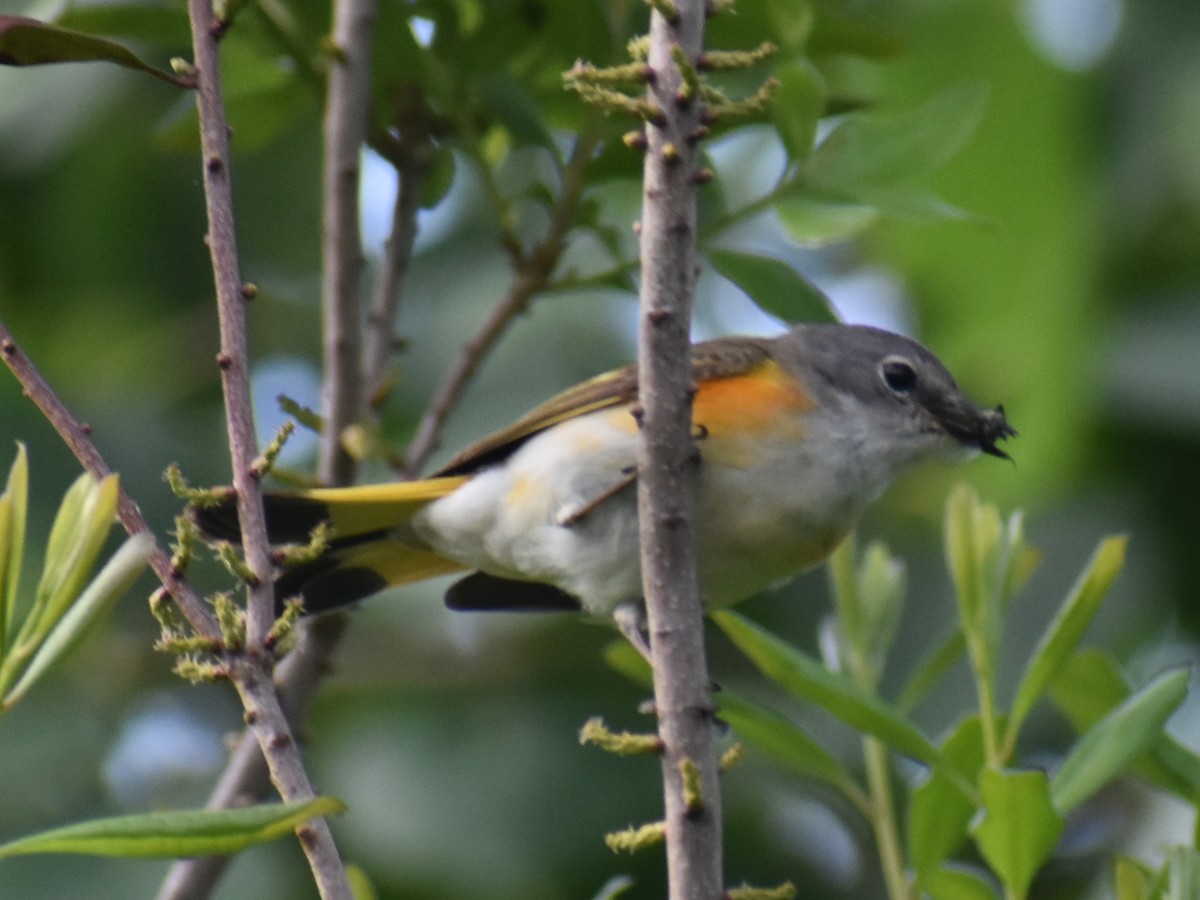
795	436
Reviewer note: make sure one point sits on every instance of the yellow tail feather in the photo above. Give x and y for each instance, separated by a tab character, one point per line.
378	507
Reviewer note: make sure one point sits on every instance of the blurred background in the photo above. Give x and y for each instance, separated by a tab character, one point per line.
1067	288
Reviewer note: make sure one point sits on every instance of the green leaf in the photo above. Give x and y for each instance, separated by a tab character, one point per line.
80	529
207	832
361	887
797	107
938	812
973	536
955	882
1106	748
1018	825
1089	687
1063	635
99	596
12	550
874	148
816	222
615	887
28	42
786	742
774	286
1132	879
807	679
1182	873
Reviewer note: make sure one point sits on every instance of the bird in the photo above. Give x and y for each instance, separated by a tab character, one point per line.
795	436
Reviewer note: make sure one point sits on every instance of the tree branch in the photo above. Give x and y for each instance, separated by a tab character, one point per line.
77	437
346	118
666	465
411	161
246	779
532	275
250	668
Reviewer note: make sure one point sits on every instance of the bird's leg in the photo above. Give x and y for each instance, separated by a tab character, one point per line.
630	619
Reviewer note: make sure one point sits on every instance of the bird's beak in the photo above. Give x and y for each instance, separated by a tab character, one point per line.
973	426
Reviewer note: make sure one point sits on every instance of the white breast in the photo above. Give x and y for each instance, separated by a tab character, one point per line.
757	523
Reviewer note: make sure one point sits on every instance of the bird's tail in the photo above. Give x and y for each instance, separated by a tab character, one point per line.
372	547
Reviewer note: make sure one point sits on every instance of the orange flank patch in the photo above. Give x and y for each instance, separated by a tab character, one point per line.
763	401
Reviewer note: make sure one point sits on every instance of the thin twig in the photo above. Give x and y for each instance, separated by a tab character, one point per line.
347	111
77	437
249	670
665	467
532	275
245	775
246	778
411	162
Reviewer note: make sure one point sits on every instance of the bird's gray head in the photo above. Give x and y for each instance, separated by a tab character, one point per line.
892	387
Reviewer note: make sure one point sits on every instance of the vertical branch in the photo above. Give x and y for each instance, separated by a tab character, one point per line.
346	115
666	464
411	161
250	668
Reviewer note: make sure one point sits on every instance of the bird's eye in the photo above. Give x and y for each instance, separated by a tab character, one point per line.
898	375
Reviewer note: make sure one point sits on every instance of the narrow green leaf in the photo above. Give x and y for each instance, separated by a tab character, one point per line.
1089	687
361	887
1106	748
973	535
1182	874
1173	767
807	679
1063	635
774	286
28	42
80	529
786	742
97	598
798	106
956	882
938	812
814	221
7	602
615	887
1131	879
1018	826
17	492
180	833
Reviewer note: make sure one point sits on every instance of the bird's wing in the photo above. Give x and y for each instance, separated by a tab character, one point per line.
721	359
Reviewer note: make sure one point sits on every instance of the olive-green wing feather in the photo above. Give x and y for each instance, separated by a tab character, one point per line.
720	358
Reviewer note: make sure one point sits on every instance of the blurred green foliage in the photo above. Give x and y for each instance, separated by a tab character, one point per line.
1064	283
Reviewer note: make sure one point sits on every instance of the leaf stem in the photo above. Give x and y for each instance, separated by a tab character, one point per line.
883	819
